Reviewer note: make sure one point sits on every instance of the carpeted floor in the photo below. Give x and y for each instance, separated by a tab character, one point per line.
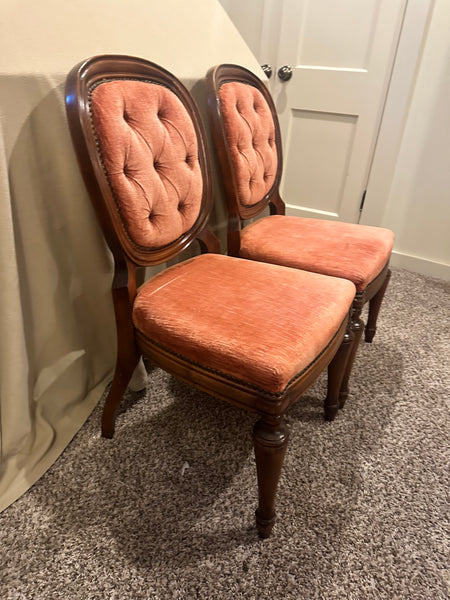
165	509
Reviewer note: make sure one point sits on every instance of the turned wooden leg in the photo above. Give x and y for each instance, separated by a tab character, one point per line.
357	327
270	438
336	370
374	309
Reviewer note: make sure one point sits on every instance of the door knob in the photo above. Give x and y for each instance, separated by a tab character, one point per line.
267	70
285	73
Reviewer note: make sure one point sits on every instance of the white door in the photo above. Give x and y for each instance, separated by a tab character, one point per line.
341	54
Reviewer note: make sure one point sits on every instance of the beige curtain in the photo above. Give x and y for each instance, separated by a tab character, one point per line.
57	334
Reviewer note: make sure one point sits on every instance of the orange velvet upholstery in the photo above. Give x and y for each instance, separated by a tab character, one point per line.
355	252
250	132
213	311
149	152
251	333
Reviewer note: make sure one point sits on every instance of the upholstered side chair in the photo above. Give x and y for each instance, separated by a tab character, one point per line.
253	334
247	137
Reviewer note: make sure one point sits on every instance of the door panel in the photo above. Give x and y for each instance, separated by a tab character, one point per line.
350	21
342	55
331	137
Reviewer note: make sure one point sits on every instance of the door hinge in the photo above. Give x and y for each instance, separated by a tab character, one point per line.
363	199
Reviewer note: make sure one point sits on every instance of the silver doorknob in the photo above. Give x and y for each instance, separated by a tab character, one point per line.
267	70
285	73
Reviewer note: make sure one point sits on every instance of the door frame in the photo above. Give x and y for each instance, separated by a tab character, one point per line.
409	50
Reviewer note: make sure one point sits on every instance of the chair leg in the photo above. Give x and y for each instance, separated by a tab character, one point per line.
122	376
374	309
336	370
270	438
357	326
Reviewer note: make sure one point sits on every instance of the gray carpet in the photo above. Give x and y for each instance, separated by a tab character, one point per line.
165	509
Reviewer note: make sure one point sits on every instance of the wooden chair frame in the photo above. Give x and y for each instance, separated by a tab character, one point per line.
270	433
238	213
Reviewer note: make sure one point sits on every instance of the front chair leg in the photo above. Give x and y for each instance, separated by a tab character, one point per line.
270	438
336	370
374	309
357	326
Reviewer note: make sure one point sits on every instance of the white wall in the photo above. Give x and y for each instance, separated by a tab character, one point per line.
418	205
248	18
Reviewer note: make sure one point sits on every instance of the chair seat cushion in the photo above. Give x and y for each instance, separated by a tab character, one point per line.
354	252
262	324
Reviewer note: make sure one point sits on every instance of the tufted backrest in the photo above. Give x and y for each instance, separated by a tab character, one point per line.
246	133
250	134
147	170
149	151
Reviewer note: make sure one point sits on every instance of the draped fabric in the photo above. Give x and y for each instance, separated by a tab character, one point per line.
57	332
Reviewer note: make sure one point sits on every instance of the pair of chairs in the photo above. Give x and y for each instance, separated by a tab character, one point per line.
255	333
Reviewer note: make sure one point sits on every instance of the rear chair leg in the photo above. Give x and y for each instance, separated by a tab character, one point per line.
357	326
270	438
122	376
127	358
374	309
336	370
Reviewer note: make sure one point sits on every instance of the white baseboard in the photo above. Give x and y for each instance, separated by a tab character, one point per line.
420	265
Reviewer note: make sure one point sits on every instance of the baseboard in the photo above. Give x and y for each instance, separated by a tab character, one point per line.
420	265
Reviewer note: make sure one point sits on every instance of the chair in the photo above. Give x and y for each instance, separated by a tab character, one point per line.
253	334
247	137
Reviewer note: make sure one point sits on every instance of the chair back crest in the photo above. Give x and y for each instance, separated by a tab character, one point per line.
140	144
247	136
